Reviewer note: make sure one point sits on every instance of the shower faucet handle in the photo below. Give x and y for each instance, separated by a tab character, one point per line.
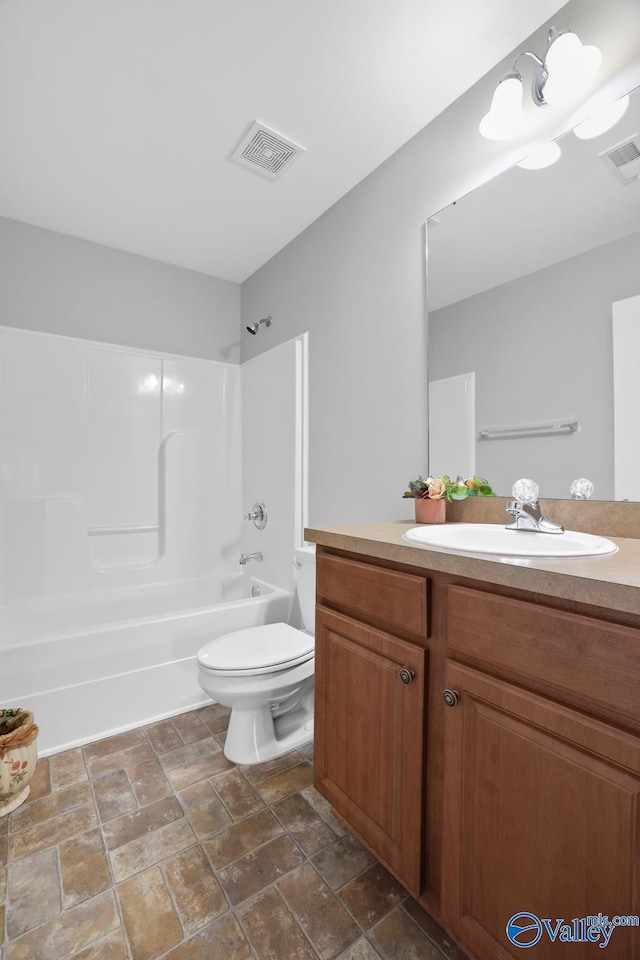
258	514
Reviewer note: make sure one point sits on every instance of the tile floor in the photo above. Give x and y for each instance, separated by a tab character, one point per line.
151	845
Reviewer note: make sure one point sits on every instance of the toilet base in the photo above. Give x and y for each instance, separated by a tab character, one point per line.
254	735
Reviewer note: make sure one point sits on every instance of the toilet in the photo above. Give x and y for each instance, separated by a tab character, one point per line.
265	675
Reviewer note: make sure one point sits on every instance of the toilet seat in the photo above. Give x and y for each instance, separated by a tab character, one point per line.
256	650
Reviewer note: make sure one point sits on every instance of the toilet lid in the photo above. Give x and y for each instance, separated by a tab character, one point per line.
264	649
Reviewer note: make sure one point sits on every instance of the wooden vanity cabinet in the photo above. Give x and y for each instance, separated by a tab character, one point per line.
523	795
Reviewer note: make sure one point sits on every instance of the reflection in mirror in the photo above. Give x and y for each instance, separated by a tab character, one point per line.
534	302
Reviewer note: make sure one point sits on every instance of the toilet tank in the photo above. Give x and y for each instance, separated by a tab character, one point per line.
306	585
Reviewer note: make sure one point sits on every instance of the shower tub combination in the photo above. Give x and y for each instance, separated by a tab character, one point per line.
96	664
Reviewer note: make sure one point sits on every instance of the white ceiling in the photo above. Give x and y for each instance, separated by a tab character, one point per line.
118	117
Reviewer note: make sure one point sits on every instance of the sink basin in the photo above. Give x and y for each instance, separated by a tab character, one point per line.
495	539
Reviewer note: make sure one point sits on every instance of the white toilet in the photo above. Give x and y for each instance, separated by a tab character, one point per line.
265	674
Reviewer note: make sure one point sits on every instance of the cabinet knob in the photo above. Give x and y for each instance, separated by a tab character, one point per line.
450	697
406	675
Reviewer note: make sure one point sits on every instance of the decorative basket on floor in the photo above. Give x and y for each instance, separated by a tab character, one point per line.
18	757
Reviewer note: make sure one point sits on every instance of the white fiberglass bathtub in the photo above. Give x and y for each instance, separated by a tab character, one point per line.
95	664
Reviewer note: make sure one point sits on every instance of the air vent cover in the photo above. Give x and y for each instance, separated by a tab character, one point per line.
624	159
267	152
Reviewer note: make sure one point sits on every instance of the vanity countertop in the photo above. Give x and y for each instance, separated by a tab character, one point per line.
611	582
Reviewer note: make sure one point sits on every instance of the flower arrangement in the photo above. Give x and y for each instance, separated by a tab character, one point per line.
439	488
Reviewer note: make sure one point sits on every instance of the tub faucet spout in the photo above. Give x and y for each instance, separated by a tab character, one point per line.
248	557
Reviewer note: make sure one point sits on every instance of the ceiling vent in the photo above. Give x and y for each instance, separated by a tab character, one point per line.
267	152
624	159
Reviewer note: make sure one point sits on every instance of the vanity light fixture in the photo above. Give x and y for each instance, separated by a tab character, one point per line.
566	72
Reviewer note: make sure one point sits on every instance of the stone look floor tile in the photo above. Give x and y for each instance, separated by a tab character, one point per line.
196	892
223	940
112	947
189	753
204	809
122	760
140	822
323	809
115	744
251	873
53	831
163	736
237	794
52	805
322	917
84	869
215	717
362	950
241	838
398	938
428	926
41	782
306	827
69	932
142	897
273	931
151	849
33	894
67	769
343	861
190	727
371	895
199	770
179	887
283	784
113	795
149	782
262	771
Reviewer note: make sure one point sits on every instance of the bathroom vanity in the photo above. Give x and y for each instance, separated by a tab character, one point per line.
478	727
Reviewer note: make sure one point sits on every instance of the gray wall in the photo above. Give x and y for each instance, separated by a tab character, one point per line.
58	284
541	347
355	280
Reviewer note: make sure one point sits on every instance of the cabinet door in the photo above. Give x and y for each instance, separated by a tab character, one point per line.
540	816
369	737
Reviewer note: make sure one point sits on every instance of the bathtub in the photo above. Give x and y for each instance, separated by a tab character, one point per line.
96	664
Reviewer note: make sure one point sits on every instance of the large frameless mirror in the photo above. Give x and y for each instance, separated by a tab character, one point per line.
534	322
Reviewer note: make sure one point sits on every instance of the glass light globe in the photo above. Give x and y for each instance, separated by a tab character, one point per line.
571	67
543	156
506	118
602	119
525	491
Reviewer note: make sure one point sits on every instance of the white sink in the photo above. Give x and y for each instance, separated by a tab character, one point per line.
494	538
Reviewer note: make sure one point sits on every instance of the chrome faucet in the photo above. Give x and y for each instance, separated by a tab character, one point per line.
248	557
525	509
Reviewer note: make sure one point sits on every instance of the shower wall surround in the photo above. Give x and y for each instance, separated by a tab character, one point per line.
118	467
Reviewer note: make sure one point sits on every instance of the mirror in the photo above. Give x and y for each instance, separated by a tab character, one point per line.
533	302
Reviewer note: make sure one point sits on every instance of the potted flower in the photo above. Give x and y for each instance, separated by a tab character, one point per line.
431	495
18	756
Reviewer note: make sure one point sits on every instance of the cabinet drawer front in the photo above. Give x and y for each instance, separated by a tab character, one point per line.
587	662
374	594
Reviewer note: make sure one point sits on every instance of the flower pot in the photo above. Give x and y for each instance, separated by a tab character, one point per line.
431	511
18	757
